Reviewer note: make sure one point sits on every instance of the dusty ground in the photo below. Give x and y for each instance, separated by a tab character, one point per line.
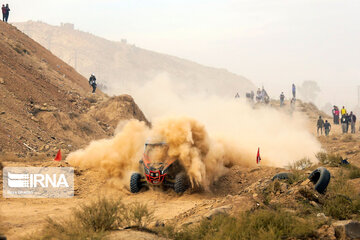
23	216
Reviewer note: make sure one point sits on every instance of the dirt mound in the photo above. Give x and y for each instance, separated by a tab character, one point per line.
44	102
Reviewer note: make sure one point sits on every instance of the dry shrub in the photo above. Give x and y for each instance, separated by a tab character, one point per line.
329	159
260	224
91	221
354	172
136	215
73	115
85	127
342	201
100	215
91	99
301	164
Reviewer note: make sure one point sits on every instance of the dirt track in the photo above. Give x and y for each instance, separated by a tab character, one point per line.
24	216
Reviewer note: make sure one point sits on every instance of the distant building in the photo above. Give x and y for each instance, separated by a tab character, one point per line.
124	41
67	26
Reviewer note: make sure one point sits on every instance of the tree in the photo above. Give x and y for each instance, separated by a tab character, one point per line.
309	90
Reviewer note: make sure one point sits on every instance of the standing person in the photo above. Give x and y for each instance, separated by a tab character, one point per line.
337	115
343	111
352	119
92	82
344	123
327	127
7	12
258	95
320	125
3	9
333	113
294	91
282	98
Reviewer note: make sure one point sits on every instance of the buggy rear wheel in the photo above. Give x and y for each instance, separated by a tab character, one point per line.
181	183
135	182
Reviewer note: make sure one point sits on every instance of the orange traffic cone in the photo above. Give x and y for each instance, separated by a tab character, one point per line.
58	156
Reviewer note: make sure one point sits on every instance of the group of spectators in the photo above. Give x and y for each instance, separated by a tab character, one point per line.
5	12
292	102
262	96
348	121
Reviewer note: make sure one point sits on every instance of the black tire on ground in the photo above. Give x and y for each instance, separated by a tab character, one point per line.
321	178
135	183
181	183
281	176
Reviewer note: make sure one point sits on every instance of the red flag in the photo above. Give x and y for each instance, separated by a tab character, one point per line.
58	156
258	158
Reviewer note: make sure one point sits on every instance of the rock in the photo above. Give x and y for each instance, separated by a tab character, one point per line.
305	182
320	215
34	119
315	205
1	113
326	232
2	81
191	220
218	211
347	228
283	187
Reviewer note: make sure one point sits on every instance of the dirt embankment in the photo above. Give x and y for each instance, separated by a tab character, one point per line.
46	105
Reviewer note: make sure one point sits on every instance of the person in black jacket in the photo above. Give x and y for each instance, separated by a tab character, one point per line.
352	120
345	123
7	12
92	82
320	125
327	127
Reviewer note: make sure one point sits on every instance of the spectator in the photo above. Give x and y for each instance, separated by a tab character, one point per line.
3	9
282	98
320	125
327	127
294	91
92	82
343	111
336	113
352	120
258	95
344	123
7	12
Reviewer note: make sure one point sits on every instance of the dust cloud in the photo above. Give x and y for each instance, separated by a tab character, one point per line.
207	134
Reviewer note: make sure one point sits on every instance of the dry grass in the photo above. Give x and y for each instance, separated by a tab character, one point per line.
84	127
260	224
93	220
136	215
347	138
342	201
329	159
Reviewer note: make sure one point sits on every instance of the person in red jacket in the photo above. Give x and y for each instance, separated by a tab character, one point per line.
3	9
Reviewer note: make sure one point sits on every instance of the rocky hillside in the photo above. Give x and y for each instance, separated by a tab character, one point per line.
121	66
45	104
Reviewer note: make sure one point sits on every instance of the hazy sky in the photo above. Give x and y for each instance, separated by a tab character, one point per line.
271	42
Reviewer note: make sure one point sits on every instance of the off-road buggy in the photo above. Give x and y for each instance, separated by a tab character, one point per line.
159	170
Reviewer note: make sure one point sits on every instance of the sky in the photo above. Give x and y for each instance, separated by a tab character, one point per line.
271	42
